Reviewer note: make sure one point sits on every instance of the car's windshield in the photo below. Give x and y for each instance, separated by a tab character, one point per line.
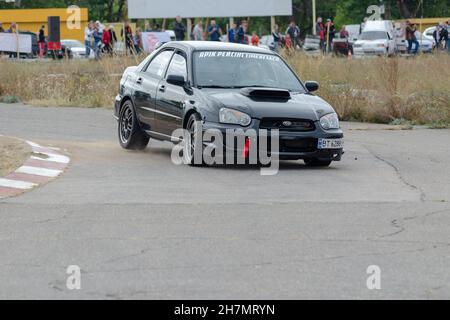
374	35
231	69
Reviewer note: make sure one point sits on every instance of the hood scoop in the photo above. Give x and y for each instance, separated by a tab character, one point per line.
266	93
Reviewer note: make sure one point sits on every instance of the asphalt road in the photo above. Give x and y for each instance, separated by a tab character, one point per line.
140	227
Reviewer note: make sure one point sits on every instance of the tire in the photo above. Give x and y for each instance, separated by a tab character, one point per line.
316	163
190	147
131	136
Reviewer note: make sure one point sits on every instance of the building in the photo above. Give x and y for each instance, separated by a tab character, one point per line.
33	19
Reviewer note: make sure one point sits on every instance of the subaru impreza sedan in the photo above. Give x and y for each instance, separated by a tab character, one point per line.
224	87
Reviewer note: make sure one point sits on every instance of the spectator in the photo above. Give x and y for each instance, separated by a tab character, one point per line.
127	34
88	32
147	27
98	36
437	35
294	33
320	32
180	29
198	31
255	39
363	25
157	28
277	38
100	27
232	33
330	30
447	35
241	32
1	28
138	41
106	39
12	28
214	31
288	42
41	41
112	37
344	33
411	37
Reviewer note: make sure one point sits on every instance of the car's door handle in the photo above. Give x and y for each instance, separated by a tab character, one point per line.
162	88
139	81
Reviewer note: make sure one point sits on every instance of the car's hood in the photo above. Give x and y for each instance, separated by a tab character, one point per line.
300	106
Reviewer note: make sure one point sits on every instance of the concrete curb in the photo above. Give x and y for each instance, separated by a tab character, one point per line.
45	164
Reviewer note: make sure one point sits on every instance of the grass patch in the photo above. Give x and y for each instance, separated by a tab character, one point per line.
10	99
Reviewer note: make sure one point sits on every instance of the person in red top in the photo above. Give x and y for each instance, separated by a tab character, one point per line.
107	41
320	31
255	39
288	42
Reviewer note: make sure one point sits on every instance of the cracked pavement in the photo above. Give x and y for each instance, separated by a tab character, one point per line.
140	227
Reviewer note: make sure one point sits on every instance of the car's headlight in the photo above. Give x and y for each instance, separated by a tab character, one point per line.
330	121
231	116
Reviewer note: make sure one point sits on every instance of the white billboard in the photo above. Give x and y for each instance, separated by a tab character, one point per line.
146	9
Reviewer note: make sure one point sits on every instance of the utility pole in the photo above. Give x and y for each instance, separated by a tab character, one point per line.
314	16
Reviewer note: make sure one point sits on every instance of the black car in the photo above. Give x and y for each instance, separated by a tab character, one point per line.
225	86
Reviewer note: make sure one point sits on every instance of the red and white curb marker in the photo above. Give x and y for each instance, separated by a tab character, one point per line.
45	164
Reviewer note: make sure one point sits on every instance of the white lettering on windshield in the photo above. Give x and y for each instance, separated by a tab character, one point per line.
236	54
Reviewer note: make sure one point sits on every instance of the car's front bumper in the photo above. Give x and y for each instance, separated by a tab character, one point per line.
293	145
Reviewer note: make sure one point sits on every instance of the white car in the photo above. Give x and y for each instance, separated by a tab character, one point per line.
266	42
425	44
78	49
428	34
374	42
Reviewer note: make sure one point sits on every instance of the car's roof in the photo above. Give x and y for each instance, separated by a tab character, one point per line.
212	45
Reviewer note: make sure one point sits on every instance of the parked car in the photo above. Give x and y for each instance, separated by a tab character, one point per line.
77	48
425	45
428	34
377	38
225	87
266	42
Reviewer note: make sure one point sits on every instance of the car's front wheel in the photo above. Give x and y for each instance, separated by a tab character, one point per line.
193	146
131	136
317	163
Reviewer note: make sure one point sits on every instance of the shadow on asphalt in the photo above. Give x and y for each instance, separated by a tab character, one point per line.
283	165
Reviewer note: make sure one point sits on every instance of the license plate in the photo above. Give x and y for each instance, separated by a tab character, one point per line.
330	144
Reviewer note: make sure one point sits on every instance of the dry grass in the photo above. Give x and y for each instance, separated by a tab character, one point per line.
382	90
371	90
13	153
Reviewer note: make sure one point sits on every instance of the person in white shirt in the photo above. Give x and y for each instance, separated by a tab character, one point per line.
88	31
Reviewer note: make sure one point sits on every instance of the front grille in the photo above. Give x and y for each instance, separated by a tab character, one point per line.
287	124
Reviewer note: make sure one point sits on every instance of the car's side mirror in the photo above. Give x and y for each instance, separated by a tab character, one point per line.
176	80
312	86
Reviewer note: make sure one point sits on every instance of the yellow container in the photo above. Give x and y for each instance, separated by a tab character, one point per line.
33	19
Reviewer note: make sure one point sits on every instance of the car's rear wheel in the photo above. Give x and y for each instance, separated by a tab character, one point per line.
131	136
192	146
317	163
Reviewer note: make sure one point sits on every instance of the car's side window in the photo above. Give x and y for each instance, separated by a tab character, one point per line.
158	65
178	66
